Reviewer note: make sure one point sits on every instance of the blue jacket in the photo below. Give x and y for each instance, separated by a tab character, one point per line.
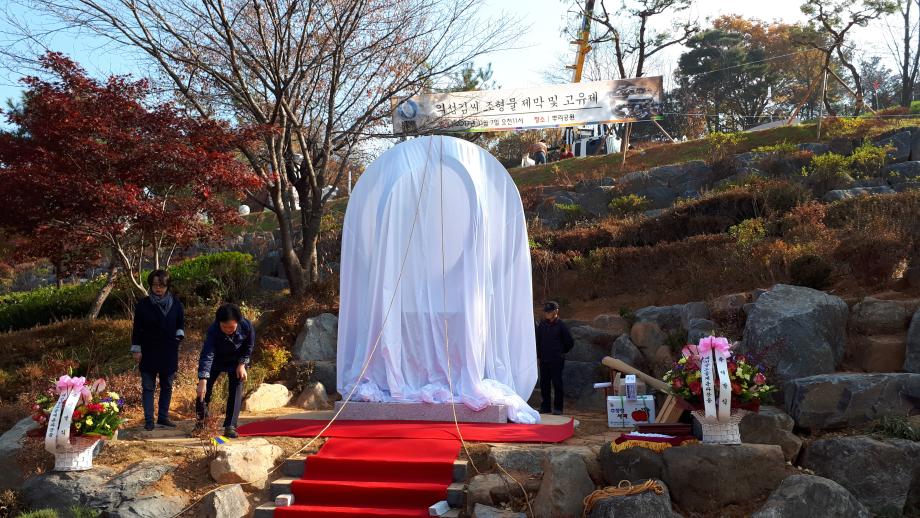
223	352
157	337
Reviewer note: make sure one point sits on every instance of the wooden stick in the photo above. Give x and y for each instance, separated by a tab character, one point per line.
666	134
622	366
811	88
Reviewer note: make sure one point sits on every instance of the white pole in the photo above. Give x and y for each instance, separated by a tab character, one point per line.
349	182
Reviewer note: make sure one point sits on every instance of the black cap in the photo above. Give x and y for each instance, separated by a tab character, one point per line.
550	306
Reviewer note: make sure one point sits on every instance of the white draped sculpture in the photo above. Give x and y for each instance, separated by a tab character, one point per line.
435	239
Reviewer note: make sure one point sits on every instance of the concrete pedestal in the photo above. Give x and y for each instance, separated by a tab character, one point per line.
362	410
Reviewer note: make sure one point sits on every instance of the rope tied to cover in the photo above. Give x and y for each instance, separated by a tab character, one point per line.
624	488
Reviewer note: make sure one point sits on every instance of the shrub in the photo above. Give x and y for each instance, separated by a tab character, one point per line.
872	257
811	271
571	213
915	107
748	233
897	427
783	148
827	172
720	145
25	309
225	276
868	160
628	205
779	196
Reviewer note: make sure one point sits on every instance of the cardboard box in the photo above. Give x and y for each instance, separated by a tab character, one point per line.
626	413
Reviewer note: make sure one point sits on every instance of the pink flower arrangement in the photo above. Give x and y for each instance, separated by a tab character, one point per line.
97	414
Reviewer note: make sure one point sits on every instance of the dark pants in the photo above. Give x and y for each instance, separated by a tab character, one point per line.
539	158
149	386
234	395
551	381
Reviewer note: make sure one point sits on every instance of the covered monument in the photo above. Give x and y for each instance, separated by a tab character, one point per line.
435	258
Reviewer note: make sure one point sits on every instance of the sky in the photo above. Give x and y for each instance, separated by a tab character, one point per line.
539	47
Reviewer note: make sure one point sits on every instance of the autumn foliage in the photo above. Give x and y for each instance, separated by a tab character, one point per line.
91	168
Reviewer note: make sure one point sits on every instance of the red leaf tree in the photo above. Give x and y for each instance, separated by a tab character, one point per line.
92	169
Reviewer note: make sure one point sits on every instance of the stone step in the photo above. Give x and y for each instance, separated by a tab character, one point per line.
268	511
456	494
281	486
294	467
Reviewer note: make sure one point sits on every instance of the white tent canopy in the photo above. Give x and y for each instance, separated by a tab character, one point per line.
435	244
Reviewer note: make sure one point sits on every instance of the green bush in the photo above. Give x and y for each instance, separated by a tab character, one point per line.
828	171
915	107
748	233
720	145
628	205
571	213
24	309
224	276
810	271
783	148
868	160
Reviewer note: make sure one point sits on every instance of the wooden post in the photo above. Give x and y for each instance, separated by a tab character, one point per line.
663	131
811	88
821	104
626	143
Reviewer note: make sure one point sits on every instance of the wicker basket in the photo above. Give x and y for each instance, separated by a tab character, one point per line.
715	432
76	456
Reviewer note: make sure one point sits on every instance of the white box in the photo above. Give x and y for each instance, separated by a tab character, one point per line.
626	413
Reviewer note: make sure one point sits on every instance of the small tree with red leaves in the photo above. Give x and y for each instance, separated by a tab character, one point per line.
90	169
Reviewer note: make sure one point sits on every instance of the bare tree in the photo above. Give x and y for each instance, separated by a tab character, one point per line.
625	39
831	21
904	49
318	75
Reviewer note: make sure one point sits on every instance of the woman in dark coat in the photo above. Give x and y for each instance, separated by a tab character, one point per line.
227	348
159	328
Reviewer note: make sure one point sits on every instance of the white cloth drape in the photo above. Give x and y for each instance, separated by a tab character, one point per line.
403	281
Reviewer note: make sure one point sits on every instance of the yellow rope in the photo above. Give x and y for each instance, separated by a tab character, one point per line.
624	488
657	447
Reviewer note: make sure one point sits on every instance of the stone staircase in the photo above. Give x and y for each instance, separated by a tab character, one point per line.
294	468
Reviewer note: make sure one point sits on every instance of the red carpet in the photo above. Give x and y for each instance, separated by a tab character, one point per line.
373	476
481	432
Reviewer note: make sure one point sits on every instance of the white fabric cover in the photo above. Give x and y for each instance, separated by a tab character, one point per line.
398	288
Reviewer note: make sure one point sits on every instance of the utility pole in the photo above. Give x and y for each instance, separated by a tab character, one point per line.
584	36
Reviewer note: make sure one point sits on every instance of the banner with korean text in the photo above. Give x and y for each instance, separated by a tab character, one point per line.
573	104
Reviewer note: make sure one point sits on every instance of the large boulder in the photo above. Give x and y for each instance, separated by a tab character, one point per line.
518	458
855	192
11	441
325	373
487	489
226	502
831	401
903	172
317	340
313	397
771	426
798	331
647	336
879	473
270	283
692	311
647	504
564	487
245	462
810	496
629	464
591	344
126	494
485	511
899	143
614	324
699	474
912	353
699	328
879	317
267	396
730	305
668	318
877	353
595	200
625	350
578	379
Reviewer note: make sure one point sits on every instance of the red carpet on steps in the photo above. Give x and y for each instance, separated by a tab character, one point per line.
373	430
373	477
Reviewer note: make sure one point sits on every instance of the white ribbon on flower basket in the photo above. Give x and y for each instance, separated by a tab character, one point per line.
715	350
68	455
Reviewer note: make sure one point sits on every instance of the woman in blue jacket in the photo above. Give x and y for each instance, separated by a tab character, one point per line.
227	348
159	322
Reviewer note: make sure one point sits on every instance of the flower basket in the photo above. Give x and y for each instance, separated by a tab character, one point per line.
77	455
717	432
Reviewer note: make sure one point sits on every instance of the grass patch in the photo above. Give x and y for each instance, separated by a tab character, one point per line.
896	427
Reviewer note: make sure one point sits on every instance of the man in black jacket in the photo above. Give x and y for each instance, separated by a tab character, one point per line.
553	341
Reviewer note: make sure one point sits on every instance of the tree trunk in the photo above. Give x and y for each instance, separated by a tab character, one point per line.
311	218
292	269
104	291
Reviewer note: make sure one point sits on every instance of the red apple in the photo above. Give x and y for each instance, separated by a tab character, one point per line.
640	415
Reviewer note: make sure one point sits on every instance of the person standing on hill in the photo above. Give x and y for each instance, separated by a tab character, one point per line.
227	348
159	328
554	340
538	152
